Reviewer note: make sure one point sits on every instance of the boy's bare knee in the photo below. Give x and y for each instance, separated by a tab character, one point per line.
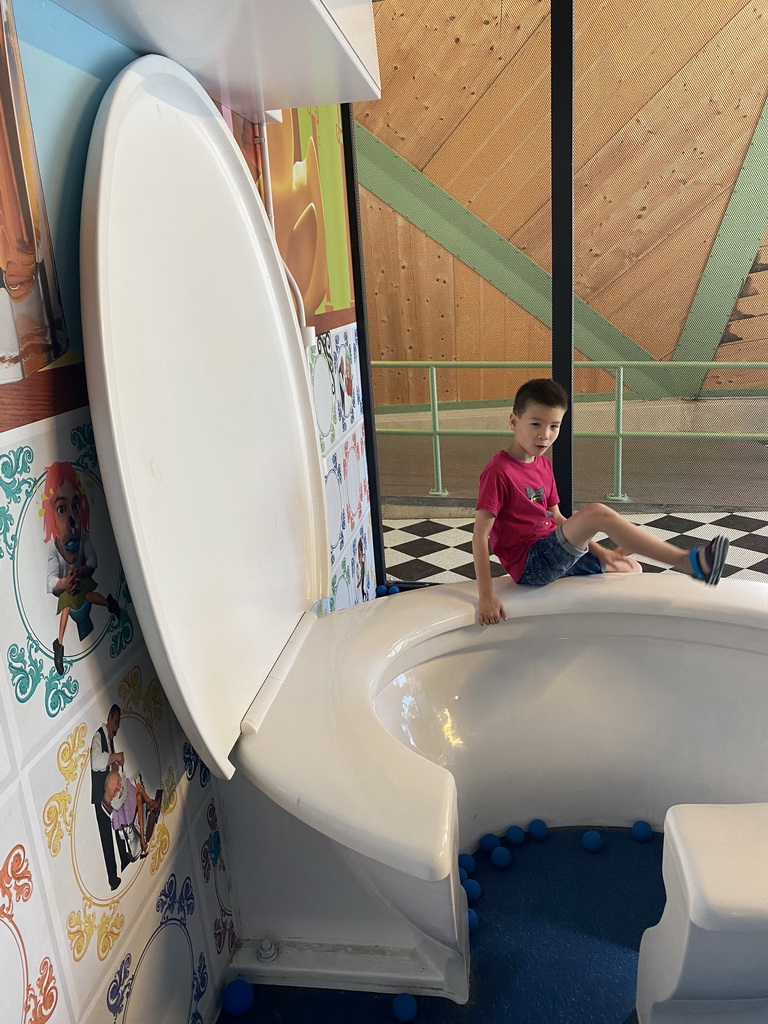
599	513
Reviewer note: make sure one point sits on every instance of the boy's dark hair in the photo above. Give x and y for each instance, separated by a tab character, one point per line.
542	390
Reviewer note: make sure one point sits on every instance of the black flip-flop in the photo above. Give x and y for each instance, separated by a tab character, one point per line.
716	552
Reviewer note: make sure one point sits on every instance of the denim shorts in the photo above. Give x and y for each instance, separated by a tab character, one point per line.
553	557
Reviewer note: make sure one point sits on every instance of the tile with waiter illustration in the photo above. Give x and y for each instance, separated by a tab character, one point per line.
107	818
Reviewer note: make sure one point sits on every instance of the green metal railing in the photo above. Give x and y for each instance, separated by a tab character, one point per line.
616	367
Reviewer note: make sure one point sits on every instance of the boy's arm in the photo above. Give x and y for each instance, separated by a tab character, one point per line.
489	609
557	515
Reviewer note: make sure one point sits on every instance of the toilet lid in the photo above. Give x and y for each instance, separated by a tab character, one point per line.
200	400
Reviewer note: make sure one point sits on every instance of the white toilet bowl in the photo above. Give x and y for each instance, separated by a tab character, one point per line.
362	749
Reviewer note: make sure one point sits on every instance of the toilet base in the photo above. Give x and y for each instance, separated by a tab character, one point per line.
696	1011
353	968
337	919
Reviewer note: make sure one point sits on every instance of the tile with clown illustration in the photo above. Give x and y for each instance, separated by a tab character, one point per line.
69	620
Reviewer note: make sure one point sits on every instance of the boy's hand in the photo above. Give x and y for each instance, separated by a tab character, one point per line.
490	611
616	559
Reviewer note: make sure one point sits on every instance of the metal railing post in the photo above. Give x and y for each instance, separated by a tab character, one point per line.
618	433
438	490
618	442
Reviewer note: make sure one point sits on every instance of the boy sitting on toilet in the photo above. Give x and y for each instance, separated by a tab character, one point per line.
517	512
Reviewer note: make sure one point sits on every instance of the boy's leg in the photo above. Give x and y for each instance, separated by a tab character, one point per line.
596	518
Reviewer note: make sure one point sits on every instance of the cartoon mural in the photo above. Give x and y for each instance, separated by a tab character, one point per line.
71	555
59	559
306	173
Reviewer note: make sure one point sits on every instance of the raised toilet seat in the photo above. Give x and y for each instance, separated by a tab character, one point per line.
707	958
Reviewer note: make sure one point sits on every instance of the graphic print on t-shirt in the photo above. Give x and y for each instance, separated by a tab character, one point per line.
537	496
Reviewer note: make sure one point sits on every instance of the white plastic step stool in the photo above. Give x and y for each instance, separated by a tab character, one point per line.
707	958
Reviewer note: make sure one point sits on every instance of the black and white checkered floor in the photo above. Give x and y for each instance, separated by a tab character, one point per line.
440	550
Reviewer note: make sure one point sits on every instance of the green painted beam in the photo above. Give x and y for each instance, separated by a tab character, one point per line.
738	239
414	196
424	204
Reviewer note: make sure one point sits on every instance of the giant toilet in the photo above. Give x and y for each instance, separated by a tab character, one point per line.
360	751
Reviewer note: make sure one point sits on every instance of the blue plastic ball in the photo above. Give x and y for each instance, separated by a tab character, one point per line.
381	590
395	590
642	831
463	876
515	835
237	997
501	857
592	841
538	829
467	861
473	890
404	1007
489	842
472	920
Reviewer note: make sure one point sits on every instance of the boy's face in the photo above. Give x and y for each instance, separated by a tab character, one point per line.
536	430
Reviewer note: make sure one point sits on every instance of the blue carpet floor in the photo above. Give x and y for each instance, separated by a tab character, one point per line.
557	943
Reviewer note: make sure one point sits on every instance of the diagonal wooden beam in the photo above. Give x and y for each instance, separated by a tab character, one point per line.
425	205
738	239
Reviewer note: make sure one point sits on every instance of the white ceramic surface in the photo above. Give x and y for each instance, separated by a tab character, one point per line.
392	729
200	399
606	699
706	958
253	55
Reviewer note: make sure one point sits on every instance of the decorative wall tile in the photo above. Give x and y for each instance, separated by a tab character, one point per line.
162	974
54	523
324	388
10	741
342	586
212	883
98	883
336	504
32	982
363	569
347	370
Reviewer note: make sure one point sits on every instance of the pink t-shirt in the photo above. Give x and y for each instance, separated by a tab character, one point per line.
518	494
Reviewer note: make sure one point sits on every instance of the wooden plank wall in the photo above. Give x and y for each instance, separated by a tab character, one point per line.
667	98
425	304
